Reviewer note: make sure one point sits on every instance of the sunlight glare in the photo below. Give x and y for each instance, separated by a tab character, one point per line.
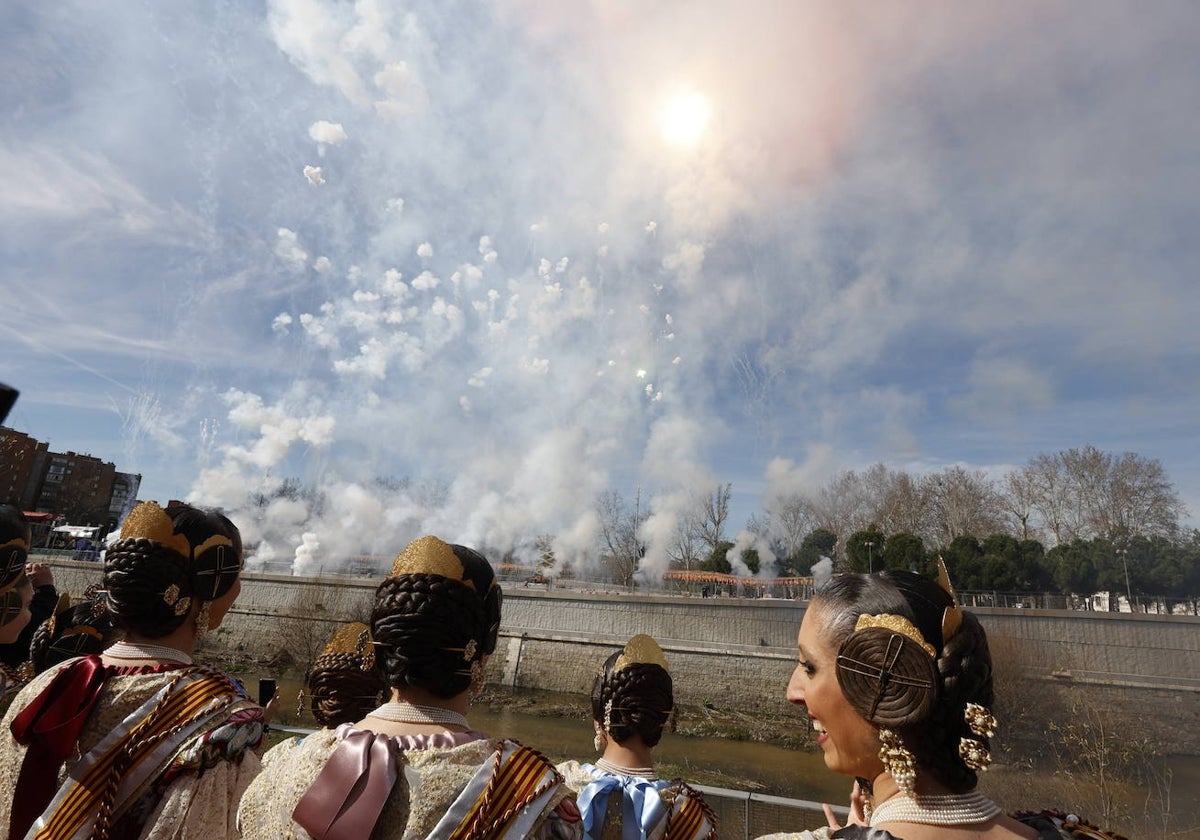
685	118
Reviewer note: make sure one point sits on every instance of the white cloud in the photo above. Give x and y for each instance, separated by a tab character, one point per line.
327	133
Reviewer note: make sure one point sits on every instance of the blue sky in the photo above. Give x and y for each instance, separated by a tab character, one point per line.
461	243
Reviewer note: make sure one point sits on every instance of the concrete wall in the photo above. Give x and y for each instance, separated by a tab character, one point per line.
734	652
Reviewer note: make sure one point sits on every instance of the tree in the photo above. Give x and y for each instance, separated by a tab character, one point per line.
619	544
1073	567
714	511
817	544
962	502
791	519
962	558
1085	493
904	551
718	559
864	550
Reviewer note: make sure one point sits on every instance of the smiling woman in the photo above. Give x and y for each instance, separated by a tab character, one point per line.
897	680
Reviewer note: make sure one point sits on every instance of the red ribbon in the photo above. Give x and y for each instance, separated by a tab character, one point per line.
49	728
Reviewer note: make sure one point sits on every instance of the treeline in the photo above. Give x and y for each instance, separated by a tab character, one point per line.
1148	567
1077	522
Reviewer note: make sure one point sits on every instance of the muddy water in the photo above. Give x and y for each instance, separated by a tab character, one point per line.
744	765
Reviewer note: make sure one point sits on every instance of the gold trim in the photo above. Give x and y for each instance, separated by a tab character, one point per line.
149	521
952	616
641	650
428	555
897	624
347	639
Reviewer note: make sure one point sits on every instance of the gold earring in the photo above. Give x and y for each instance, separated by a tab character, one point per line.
601	739
898	761
477	678
202	621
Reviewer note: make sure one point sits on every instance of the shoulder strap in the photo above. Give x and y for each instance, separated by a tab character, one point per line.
132	754
505	797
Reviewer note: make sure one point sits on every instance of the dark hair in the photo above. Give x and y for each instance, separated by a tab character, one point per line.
147	581
962	667
340	691
423	626
79	630
641	697
14	552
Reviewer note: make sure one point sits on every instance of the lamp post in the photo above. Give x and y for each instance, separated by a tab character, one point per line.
870	563
1124	552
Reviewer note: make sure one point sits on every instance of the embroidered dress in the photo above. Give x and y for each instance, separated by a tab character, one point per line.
619	807
182	769
351	782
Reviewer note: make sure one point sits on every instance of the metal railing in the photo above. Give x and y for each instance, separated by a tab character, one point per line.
740	813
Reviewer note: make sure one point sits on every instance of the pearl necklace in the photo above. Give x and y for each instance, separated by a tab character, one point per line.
401	711
949	809
136	650
619	770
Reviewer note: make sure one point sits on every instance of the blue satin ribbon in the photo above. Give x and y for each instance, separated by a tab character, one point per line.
642	808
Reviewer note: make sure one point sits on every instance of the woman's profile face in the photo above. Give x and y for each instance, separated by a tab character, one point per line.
850	744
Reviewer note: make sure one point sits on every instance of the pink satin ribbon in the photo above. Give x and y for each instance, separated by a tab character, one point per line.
348	795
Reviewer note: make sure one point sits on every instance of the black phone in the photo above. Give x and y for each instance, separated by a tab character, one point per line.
266	690
8	396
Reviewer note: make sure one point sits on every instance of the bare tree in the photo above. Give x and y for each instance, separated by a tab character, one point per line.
1018	496
1086	493
619	544
962	503
791	521
714	511
686	549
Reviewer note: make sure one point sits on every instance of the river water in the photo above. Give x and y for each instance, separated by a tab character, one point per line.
796	774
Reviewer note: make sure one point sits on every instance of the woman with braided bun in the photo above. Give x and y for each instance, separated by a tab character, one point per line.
138	741
413	767
74	630
897	680
343	685
620	795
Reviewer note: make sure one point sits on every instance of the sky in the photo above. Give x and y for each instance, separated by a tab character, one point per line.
464	266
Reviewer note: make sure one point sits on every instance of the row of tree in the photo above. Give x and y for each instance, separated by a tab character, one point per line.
1077	521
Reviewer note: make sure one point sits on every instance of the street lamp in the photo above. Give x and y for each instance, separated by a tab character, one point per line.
870	563
1124	552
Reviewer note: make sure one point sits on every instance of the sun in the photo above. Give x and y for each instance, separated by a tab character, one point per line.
685	118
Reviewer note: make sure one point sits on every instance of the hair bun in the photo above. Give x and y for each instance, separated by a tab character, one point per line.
888	678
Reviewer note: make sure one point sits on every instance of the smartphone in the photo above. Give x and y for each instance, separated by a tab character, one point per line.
8	396
266	690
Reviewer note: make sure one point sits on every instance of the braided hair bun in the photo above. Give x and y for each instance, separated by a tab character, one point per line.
633	694
342	683
74	630
435	617
14	552
166	560
909	659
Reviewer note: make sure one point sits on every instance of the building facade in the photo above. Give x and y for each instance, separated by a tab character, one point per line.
81	487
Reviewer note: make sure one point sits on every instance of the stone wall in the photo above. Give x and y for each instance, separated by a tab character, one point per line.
734	652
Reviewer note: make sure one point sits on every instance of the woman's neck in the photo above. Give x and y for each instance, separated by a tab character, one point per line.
183	640
418	697
633	754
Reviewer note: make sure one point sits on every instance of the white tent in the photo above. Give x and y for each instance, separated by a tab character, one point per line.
87	532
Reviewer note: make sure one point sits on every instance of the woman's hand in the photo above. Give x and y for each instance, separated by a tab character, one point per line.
858	811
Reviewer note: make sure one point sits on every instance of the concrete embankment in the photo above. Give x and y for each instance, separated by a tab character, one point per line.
738	653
